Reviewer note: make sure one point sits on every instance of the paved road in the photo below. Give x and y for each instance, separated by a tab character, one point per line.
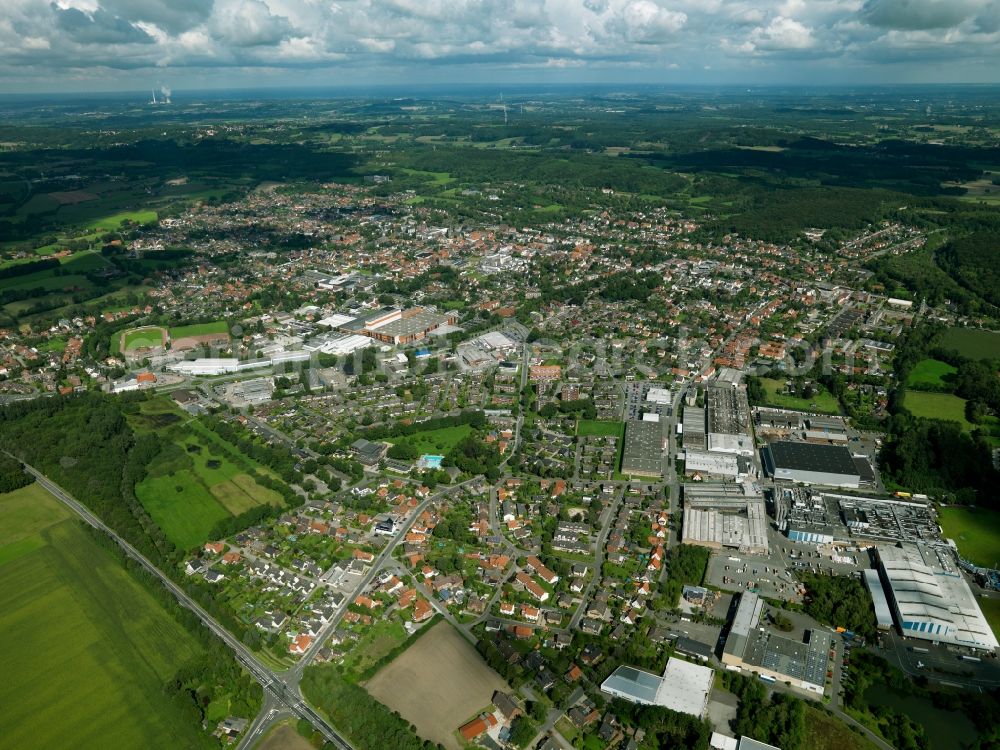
276	691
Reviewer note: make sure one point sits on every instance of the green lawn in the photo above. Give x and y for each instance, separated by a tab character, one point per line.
937	406
147	337
436	442
991	611
976	531
181	506
109	223
199	329
973	342
929	373
596	427
86	651
822	402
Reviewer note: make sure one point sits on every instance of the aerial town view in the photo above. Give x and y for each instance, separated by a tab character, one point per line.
530	375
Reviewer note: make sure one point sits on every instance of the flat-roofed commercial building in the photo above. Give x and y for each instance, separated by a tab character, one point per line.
694	428
930	599
643	451
724	515
802	663
811	463
684	686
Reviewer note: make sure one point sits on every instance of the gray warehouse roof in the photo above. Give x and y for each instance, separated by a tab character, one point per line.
830	459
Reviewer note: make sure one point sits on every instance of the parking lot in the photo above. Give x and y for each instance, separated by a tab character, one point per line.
763	574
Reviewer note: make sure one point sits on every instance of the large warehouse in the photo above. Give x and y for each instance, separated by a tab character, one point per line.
811	463
684	686
643	453
930	599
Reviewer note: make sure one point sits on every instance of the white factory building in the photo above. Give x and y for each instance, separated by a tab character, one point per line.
930	599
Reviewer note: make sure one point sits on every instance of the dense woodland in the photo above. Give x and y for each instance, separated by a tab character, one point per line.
369	724
934	456
839	601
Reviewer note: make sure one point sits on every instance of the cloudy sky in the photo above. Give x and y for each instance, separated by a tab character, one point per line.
81	45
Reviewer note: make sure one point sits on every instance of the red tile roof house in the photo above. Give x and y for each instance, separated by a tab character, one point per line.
422	610
532	587
477	726
300	644
215	547
541	571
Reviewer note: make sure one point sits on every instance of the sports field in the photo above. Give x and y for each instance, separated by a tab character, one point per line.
199	329
437	441
822	402
973	343
86	651
937	406
976	531
929	373
596	427
437	684
147	337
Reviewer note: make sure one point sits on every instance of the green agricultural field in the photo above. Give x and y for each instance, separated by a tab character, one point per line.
437	442
973	343
930	373
27	511
976	531
199	329
86	651
596	427
142	338
110	223
822	401
937	406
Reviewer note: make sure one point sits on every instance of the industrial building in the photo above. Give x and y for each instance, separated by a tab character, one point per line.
929	597
724	515
729	420
392	325
802	663
693	431
708	464
815	517
812	463
684	686
643	452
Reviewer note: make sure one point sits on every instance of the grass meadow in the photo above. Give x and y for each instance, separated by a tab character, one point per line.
930	373
976	531
822	402
937	406
195	481
973	343
437	442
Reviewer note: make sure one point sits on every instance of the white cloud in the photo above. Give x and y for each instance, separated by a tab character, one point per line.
56	40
